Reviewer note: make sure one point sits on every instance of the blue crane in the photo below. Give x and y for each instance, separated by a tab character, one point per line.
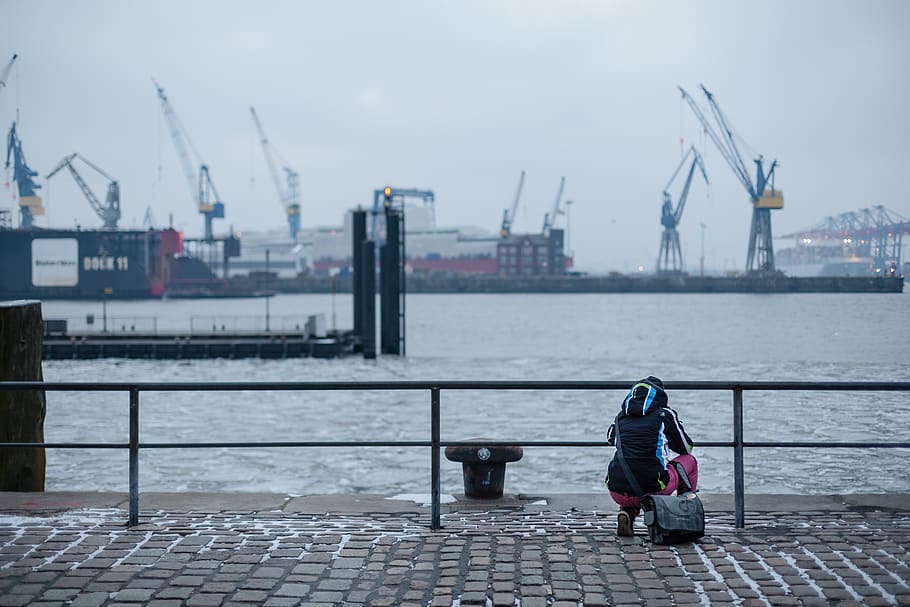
669	260
508	216
388	196
289	195
760	257
109	210
29	201
202	188
549	219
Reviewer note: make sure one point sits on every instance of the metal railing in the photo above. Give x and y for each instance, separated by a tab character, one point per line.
211	323
249	322
100	323
435	388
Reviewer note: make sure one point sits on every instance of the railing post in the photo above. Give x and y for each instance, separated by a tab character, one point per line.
738	479
435	440
134	457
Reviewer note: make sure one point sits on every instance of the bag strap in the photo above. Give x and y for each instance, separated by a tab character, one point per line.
683	476
622	462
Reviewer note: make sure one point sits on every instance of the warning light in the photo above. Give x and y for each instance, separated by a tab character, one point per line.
388	192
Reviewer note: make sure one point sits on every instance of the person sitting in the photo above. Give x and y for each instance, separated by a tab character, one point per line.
650	430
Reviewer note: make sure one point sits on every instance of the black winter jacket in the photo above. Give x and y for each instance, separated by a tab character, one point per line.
649	431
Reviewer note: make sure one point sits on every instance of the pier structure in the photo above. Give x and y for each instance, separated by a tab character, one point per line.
391	279
180	345
206	337
630	283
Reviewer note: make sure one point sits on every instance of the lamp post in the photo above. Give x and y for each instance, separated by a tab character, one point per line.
569	204
107	291
702	259
333	273
267	296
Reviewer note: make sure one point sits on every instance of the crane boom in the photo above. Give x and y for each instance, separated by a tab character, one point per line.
549	219
202	188
725	145
109	211
4	73
760	254
508	216
273	167
288	196
684	194
178	134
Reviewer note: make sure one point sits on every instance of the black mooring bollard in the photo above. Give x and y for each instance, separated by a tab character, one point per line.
484	468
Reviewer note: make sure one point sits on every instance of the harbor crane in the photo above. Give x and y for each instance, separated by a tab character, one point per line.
390	197
549	219
669	260
508	216
29	202
202	188
288	194
109	210
4	73
763	195
874	232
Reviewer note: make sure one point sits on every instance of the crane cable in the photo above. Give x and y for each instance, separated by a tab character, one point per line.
682	139
703	143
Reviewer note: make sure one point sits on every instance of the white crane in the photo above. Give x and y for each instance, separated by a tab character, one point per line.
202	188
4	73
508	217
549	220
290	195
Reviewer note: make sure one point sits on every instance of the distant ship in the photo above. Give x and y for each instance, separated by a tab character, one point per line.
51	263
823	257
86	264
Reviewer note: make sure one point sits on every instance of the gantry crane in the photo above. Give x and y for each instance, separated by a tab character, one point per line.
29	202
874	232
508	216
109	210
669	260
760	257
390	197
202	188
4	73
289	195
549	219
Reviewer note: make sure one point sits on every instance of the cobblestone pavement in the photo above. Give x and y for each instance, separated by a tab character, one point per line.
500	557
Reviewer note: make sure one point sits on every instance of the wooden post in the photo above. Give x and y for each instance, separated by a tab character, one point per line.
21	412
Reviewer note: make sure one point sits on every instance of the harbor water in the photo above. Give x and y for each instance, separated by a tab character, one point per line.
692	337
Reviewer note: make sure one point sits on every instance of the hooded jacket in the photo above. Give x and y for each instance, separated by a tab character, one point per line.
649	429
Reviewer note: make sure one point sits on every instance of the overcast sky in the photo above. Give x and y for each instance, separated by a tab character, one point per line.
459	97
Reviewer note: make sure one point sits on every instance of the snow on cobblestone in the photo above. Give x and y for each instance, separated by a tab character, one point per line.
525	556
712	570
822	566
872	583
803	573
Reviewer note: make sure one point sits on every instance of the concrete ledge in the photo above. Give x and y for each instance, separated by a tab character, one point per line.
724	502
63	501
